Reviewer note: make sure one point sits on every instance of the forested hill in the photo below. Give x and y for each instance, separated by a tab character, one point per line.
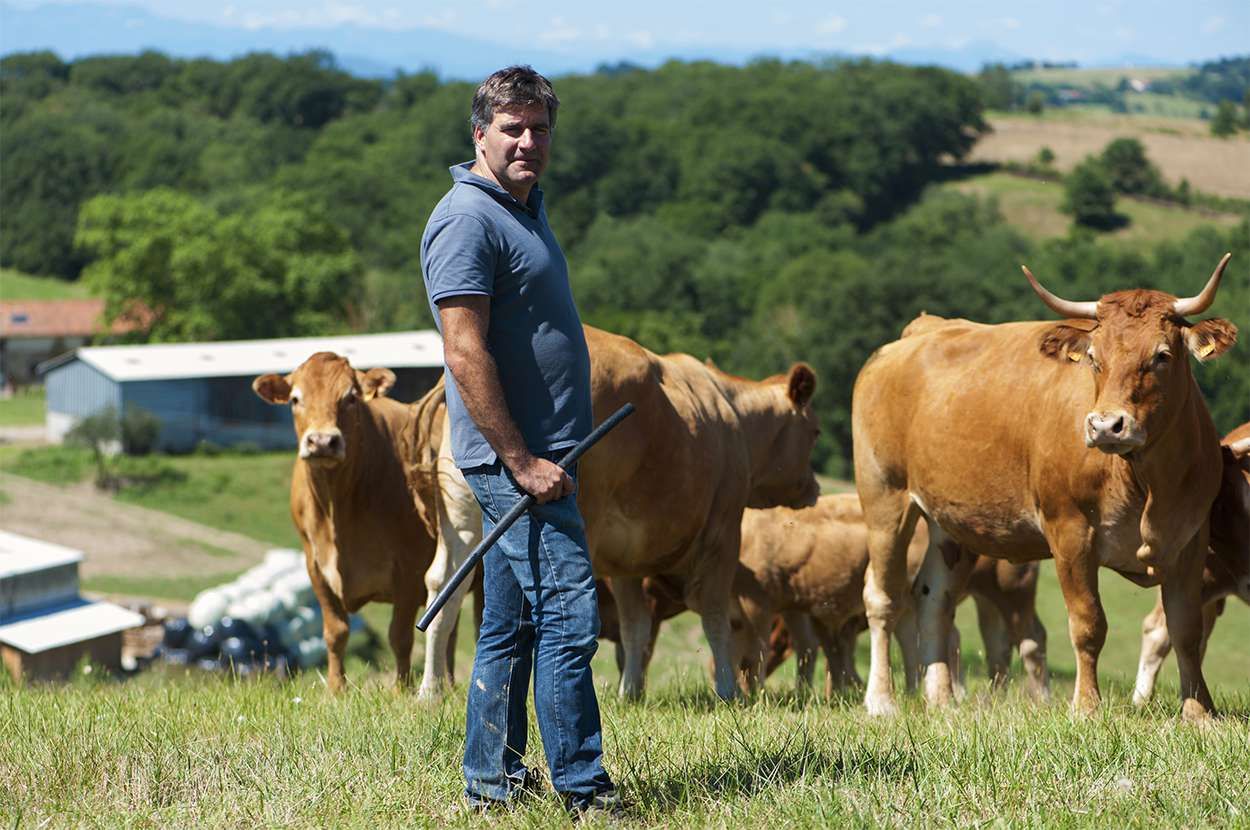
756	215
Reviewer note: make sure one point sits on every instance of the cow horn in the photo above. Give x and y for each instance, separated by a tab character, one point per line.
1066	308
1196	305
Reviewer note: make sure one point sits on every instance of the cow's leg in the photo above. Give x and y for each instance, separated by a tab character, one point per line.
908	636
954	649
634	613
1155	646
335	625
934	593
710	594
891	518
997	640
1182	605
1077	570
804	643
1031	640
459	531
402	632
751	629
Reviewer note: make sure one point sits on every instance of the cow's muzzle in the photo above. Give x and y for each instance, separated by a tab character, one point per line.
323	447
1113	432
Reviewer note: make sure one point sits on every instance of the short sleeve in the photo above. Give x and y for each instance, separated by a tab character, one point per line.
459	257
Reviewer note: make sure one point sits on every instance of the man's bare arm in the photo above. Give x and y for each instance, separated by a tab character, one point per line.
465	320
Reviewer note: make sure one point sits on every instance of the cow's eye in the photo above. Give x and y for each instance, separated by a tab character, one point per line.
295	400
1162	359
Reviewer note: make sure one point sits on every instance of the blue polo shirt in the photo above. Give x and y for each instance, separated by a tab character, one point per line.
481	240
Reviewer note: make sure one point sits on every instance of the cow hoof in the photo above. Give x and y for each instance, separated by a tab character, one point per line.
1194	712
881	707
1140	698
430	694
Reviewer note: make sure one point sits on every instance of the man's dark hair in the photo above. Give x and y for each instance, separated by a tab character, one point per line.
514	86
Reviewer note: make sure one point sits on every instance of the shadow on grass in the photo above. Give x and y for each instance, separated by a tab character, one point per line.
746	769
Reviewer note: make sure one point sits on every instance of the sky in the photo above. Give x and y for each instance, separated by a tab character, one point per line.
1174	31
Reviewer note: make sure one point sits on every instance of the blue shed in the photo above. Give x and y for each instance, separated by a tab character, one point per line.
202	392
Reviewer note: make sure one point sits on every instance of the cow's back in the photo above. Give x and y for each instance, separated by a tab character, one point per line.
666	475
974	421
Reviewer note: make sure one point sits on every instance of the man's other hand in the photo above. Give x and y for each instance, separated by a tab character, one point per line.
543	479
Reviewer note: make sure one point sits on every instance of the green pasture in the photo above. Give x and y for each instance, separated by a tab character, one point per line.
24	408
1106	77
245	493
14	285
172	747
1032	206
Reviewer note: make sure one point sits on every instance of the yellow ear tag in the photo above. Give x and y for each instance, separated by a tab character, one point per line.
1206	350
1075	357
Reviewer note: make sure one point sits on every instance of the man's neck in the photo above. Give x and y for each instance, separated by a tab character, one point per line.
480	168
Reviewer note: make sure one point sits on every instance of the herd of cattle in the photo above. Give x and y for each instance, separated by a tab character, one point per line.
1085	440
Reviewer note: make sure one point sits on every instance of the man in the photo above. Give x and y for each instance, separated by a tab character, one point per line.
518	392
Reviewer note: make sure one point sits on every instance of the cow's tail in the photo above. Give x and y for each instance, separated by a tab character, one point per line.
424	440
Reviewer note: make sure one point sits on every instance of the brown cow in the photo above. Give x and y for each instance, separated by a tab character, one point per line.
1227	570
989	432
365	537
808	566
663	494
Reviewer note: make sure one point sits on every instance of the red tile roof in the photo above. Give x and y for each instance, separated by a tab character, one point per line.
57	318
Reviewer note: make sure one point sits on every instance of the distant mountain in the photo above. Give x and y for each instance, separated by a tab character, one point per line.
76	30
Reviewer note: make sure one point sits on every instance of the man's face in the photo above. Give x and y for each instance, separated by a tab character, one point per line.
516	147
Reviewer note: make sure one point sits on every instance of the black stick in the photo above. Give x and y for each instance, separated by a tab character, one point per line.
431	610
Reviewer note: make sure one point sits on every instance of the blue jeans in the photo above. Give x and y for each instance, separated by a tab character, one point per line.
541	615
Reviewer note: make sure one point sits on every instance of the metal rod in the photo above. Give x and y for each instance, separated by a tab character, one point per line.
462	573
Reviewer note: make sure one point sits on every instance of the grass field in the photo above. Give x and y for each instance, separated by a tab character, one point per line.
1089	77
1033	207
1181	148
14	285
25	408
244	493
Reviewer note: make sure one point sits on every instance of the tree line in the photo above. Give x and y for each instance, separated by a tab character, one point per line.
755	215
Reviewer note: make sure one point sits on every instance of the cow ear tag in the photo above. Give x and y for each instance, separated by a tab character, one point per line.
1206	350
1075	357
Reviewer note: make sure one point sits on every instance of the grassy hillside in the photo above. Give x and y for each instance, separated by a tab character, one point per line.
14	285
1181	148
25	408
1033	207
1087	78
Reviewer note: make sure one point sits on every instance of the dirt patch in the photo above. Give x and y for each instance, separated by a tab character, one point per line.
120	539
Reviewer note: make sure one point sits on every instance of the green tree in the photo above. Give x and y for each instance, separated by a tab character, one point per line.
1035	103
1089	195
1224	123
1125	163
194	274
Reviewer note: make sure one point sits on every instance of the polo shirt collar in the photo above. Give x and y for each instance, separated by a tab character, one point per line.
461	174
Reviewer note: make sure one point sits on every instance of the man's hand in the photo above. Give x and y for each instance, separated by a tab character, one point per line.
543	479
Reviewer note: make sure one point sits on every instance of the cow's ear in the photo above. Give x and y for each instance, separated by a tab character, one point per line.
272	388
1241	451
1210	338
801	385
1065	341
375	383
711	364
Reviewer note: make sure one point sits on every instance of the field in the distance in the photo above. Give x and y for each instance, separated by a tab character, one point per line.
14	285
1033	207
1181	148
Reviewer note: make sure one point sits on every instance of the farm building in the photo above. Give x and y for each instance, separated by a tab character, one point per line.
32	331
202	392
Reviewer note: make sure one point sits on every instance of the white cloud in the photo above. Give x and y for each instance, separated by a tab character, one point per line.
1212	25
931	21
1009	23
899	41
442	20
560	31
831	25
641	39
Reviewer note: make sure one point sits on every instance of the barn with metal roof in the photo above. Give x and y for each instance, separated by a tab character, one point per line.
202	392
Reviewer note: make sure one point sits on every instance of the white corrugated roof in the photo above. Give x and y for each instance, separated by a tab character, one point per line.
22	554
164	361
72	625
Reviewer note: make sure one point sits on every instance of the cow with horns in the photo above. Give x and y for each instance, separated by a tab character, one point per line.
1085	439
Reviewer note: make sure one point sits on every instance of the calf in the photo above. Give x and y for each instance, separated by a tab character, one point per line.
809	566
365	537
1227	571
